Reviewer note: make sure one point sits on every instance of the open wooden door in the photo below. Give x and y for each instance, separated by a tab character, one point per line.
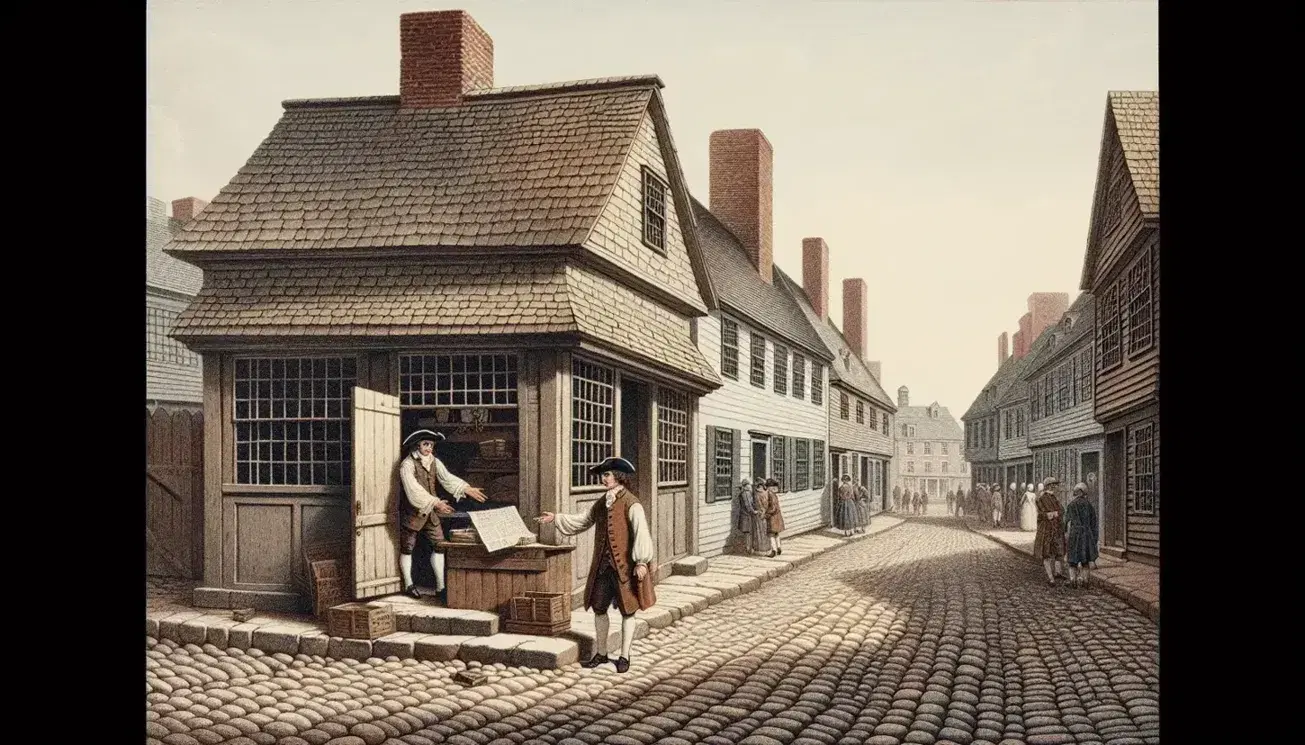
376	491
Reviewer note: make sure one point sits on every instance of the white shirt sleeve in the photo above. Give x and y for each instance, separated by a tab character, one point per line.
455	486
641	544
417	495
573	524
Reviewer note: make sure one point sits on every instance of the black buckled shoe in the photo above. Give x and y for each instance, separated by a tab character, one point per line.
598	659
622	664
411	591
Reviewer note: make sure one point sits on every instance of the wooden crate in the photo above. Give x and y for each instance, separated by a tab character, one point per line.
360	620
541	607
317	552
328	586
540	628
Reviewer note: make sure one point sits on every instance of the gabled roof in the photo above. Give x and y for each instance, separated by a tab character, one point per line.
741	289
163	271
992	393
1136	124
1056	341
944	427
847	368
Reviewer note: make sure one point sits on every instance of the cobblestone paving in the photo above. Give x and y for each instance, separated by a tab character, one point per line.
925	634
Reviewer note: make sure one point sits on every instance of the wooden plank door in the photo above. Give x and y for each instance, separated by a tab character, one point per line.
376	452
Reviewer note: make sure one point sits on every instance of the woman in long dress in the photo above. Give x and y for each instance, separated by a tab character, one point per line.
1049	542
759	538
1081	535
774	518
746	509
1028	509
845	507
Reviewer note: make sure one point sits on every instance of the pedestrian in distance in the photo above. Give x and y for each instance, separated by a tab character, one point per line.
998	499
960	501
1049	541
897	499
862	508
621	572
924	502
951	501
1029	509
1081	535
774	518
760	535
745	510
845	507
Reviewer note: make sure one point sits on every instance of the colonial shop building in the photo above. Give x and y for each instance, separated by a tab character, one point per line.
768	419
516	267
1121	269
930	454
1066	442
861	416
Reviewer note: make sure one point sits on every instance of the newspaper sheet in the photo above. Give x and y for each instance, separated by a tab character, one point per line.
499	529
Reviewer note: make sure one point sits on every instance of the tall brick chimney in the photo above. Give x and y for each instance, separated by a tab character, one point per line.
854	314
443	55
186	209
1003	348
815	274
1017	345
903	397
1026	334
1046	309
742	192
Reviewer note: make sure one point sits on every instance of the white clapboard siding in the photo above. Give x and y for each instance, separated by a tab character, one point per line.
739	405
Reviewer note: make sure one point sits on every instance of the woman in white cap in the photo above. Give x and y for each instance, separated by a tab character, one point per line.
420	512
1028	509
623	551
1081	535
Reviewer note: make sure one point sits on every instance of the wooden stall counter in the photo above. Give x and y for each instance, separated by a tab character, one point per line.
479	580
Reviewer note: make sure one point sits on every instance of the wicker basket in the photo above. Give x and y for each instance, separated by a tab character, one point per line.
541	607
360	620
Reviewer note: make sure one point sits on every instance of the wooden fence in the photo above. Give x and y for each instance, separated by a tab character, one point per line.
174	492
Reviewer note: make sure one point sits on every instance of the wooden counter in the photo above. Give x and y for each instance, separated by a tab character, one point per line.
479	580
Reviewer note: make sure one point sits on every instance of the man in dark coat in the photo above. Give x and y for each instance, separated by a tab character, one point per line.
1081	535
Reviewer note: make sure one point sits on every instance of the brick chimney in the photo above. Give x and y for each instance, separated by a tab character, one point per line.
443	55
1018	345
875	369
1046	309
1003	348
854	314
1026	334
815	274
742	188
187	209
903	397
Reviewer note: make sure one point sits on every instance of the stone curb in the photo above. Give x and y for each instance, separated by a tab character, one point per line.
441	634
1148	608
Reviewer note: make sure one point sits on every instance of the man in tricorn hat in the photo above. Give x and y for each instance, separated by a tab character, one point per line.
623	550
420	510
1049	540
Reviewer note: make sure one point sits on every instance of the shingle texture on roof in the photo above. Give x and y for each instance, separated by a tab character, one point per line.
944	427
992	393
1083	319
1137	120
505	168
739	286
847	367
163	271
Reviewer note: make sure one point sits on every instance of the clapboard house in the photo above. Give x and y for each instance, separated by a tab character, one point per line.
1066	442
768	417
515	267
1121	268
930	458
172	372
860	414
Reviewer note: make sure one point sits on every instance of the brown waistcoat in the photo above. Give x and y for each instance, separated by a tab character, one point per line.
612	543
408	514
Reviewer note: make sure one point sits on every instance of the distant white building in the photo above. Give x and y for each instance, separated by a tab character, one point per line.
173	373
929	448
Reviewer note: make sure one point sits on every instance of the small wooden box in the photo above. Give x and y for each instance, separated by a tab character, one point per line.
541	608
360	620
540	628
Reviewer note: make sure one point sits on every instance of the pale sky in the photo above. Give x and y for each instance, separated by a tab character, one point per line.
946	151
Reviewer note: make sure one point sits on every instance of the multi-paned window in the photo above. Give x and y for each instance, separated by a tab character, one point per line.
1108	348
928	466
781	369
593	426
1021	427
1139	305
817	384
722	450
910	448
860	412
729	348
801	464
843	411
758	360
488	380
910	466
817	464
928	448
1035	399
654	210
1048	396
944	467
1064	397
1141	469
293	420
672	436
779	462
799	376
944	448
1007	425
159	346
884	420
1085	374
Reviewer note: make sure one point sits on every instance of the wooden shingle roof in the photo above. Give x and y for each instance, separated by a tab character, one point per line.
1056	341
162	271
944	427
1137	120
526	166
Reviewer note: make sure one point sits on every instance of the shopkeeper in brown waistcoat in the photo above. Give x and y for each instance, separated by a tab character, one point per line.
420	510
620	572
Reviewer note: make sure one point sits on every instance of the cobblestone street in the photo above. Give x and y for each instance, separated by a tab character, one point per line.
927	633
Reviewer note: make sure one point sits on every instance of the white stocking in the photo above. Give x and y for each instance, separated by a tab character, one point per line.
1047	565
774	542
405	568
1086	574
627	635
437	563
600	633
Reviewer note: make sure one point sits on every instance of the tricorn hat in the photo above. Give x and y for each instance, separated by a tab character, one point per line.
421	435
619	465
772	482
1053	481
